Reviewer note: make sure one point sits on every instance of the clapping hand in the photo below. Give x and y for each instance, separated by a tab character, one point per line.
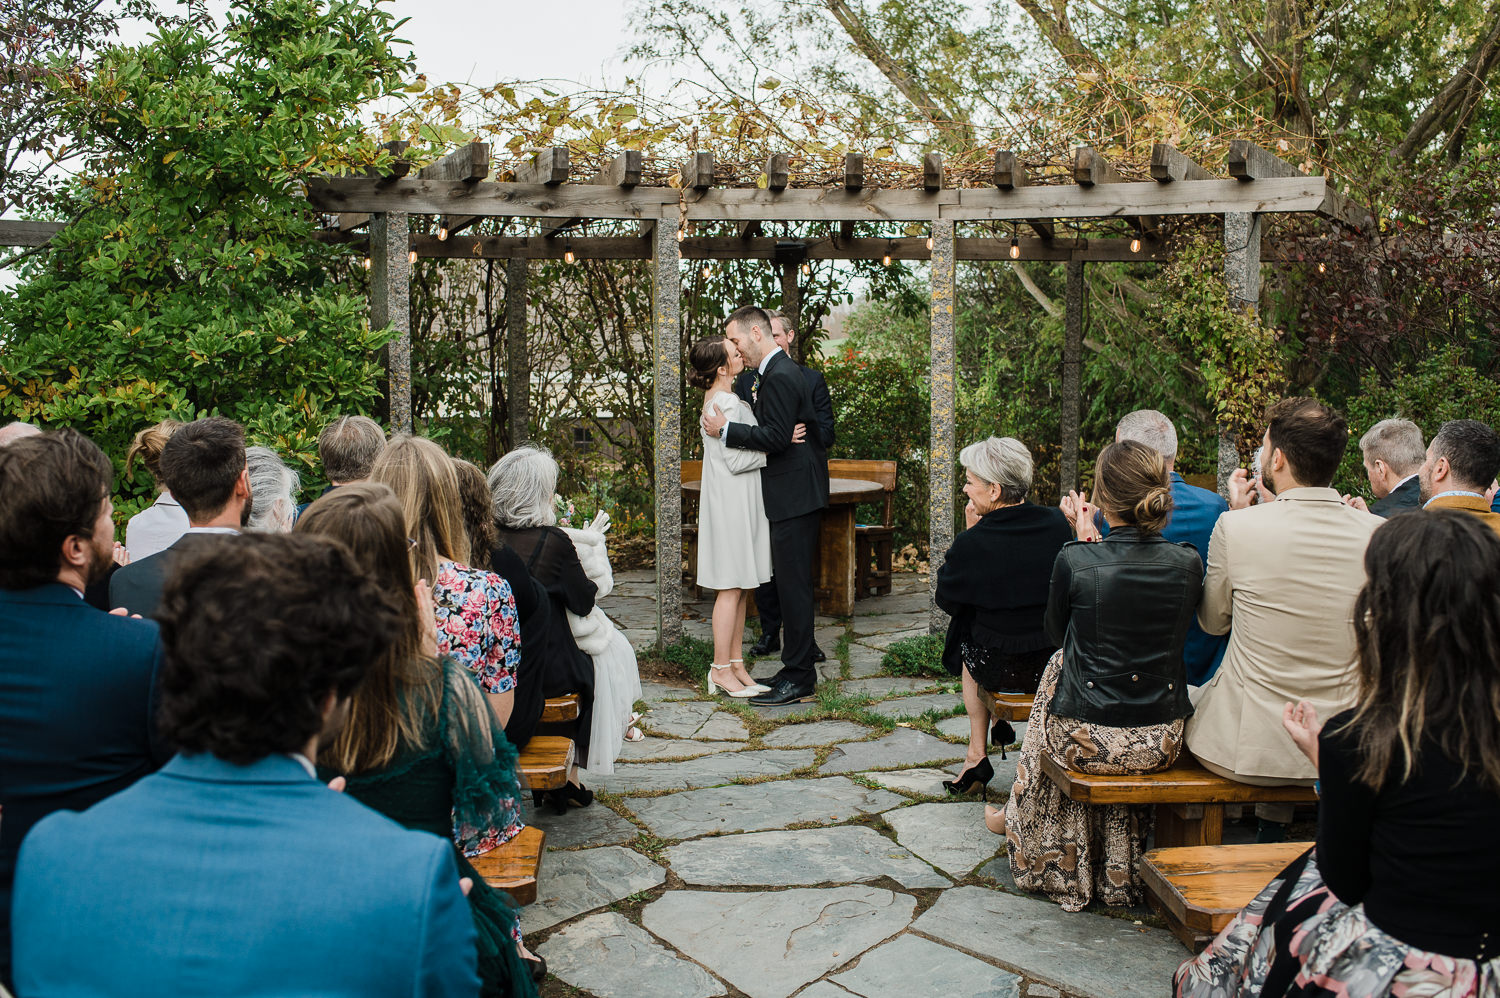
1356	502
600	523
1080	513
1242	488
121	556
1301	722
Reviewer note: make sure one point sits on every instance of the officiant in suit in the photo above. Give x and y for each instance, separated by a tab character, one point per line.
795	487
745	387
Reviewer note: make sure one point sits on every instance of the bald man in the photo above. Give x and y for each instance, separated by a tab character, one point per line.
11	432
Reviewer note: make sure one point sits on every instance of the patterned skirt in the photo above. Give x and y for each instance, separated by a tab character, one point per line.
1074	852
1297	939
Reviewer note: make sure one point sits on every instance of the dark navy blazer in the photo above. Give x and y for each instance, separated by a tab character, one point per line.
75	713
209	878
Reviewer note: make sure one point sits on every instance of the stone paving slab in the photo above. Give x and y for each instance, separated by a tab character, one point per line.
885	639
815	733
951	837
788	710
958	727
723	727
998	870
595	825
824	989
672	748
782	940
705	771
910	965
801	858
1093	956
642	639
609	957
890	623
678	720
902	747
864	660
884	686
916	601
923	780
656	692
918	705
572	883
759	807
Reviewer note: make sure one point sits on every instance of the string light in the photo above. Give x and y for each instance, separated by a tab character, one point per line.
411	256
365	263
706	272
1322	268
1015	248
681	233
442	234
807	270
886	260
568	256
929	244
1135	245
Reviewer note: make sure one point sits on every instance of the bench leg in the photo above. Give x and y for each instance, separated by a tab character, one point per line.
1193	940
1189	825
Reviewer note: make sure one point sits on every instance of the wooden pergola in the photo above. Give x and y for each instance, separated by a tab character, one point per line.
457	191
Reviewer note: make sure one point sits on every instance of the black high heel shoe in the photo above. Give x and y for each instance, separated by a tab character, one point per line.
570	795
981	775
1002	734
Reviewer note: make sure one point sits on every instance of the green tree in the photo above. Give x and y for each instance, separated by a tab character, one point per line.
190	282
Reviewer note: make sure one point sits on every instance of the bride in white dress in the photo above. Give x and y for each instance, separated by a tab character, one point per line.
734	537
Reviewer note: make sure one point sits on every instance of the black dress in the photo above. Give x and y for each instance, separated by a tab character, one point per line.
534	612
548	555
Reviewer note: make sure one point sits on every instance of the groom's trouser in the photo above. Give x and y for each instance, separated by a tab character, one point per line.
769	605
794	547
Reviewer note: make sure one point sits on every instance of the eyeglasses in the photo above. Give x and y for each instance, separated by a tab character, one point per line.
411	541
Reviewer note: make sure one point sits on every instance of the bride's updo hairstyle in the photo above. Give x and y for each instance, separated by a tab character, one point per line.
1130	485
706	357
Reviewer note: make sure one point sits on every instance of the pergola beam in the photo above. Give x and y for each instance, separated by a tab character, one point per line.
1168	165
1091	168
1010	173
466	164
15	232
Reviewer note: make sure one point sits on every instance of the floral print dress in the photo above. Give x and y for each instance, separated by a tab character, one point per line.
477	624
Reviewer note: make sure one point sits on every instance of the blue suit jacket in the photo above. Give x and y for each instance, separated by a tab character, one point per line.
1194	513
75	713
209	878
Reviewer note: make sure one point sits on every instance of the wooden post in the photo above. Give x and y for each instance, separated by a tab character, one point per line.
666	345
390	305
1072	363
1242	276
791	307
517	354
942	447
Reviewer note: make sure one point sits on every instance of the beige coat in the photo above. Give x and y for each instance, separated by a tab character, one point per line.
1285	575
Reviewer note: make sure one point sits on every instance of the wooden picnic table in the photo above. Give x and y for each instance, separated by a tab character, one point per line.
834	572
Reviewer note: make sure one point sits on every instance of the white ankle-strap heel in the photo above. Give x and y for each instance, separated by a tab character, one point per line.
713	687
757	687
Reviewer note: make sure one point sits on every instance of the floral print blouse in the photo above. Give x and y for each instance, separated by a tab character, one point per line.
477	624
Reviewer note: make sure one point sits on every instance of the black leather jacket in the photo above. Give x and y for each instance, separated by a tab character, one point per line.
1120	609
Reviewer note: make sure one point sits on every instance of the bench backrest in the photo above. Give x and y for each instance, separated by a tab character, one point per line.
692	471
883	472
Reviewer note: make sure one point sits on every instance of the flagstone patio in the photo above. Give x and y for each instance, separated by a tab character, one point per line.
765	853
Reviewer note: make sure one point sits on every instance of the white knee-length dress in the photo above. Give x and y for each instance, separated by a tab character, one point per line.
734	537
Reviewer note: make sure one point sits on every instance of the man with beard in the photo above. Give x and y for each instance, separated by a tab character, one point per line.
203	466
1463	456
75	682
1285	574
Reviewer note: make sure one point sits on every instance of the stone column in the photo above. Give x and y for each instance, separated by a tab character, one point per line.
791	307
1072	364
390	305
517	355
1242	276
941	450
666	347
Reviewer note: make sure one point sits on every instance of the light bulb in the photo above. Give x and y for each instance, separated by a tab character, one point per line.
568	256
886	260
1135	245
681	233
411	257
1015	248
366	263
929	242
442	234
706	272
1322	268
807	269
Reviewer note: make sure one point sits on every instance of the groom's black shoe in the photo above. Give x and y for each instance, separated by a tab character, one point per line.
766	645
782	693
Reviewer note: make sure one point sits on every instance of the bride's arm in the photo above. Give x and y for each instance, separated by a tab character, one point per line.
739	460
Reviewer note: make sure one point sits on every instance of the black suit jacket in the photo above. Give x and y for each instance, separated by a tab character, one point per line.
138	586
822	401
795	479
1407	495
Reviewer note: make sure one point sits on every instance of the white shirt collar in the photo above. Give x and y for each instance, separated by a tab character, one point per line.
305	763
1403	481
212	530
767	359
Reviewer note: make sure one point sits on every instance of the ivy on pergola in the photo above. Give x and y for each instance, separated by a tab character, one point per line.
455	190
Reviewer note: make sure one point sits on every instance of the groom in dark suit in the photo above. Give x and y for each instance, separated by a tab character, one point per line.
795	488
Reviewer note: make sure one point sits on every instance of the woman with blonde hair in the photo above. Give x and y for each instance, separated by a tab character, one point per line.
474	608
420	744
158	526
1113	699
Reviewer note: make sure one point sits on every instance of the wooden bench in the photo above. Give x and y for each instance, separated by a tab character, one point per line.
1189	799
1198	889
560	710
873	542
1010	706
692	471
514	867
545	761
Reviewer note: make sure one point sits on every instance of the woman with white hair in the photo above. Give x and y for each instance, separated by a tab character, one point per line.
273	491
994	583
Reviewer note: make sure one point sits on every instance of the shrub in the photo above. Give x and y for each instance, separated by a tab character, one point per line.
693	655
919	656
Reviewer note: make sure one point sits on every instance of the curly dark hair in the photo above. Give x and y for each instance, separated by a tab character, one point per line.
479	513
257	630
52	486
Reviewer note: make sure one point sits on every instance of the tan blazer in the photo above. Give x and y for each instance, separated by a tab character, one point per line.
1469	504
1285	575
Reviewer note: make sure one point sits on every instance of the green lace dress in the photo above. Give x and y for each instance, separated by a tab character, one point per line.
461	784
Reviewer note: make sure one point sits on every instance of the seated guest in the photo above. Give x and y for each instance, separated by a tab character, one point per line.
203	465
11	432
1461	460
420	744
1114	697
1191	521
234	870
531	600
993	583
273	491
347	449
75	683
1398	895
475	610
1285	574
158	526
522	485
1392	451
